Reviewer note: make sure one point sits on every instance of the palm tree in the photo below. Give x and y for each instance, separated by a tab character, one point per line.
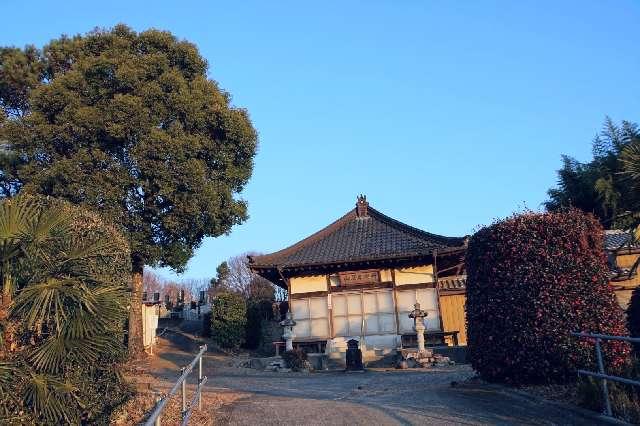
630	160
61	311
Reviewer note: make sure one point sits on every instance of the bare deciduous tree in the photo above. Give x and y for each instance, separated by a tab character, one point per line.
239	278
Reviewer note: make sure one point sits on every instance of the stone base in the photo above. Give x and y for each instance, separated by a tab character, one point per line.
412	358
416	354
318	361
276	365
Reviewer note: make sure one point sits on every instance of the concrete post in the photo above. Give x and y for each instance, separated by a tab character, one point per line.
420	333
184	394
200	380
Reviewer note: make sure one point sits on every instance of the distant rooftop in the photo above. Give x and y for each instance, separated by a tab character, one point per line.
615	239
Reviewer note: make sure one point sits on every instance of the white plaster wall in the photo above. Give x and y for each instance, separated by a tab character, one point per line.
149	324
308	284
383	341
417	275
376	307
311	316
428	299
385	275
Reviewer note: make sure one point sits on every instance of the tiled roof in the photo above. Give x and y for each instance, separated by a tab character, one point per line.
617	238
363	234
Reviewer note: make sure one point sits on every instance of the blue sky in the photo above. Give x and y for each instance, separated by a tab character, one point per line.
445	114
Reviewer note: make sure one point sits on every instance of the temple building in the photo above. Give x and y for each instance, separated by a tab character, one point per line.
360	277
622	251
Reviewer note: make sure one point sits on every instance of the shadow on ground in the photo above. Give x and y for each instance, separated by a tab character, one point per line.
380	397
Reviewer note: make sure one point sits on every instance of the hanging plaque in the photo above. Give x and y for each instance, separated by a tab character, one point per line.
370	276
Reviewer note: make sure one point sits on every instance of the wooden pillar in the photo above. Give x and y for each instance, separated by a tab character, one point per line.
395	300
329	307
437	287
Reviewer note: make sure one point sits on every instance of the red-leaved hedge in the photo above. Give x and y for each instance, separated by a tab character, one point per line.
532	280
633	317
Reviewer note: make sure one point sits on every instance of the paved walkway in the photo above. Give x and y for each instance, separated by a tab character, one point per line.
393	397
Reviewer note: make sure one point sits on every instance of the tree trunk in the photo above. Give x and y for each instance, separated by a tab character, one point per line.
135	342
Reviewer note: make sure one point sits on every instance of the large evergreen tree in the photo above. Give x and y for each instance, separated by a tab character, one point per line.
127	124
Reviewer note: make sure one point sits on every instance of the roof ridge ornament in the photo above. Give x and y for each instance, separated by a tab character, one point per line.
362	206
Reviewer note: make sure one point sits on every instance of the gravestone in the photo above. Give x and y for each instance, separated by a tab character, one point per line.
354	356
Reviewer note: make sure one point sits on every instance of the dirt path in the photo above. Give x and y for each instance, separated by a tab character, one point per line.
372	398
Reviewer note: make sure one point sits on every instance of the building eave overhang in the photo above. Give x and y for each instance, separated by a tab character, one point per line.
292	270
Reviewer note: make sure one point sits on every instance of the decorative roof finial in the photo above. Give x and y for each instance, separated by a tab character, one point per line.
362	206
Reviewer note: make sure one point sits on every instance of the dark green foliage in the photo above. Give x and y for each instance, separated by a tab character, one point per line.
222	274
206	324
63	334
633	318
600	186
21	70
630	160
532	280
228	320
295	359
258	312
129	125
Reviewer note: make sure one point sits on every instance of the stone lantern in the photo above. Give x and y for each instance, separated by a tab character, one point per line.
288	324
418	316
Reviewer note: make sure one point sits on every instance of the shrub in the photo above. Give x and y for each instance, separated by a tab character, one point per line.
624	399
532	280
206	324
69	278
228	320
258	311
633	317
295	359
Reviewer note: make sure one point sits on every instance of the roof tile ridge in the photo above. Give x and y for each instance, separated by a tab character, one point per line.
332	227
416	232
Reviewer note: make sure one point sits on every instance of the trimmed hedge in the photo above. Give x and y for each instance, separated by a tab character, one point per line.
228	320
259	311
532	280
633	317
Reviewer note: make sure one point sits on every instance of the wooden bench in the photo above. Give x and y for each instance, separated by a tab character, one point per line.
278	345
411	340
444	335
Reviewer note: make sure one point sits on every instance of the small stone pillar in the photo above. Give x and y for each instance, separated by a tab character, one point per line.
418	316
288	324
354	356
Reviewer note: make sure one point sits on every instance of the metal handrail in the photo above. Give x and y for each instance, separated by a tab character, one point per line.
607	337
601	374
154	417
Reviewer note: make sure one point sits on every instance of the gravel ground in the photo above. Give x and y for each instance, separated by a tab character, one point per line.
376	397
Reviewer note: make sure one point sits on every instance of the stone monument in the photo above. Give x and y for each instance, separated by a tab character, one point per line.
422	357
354	356
418	316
